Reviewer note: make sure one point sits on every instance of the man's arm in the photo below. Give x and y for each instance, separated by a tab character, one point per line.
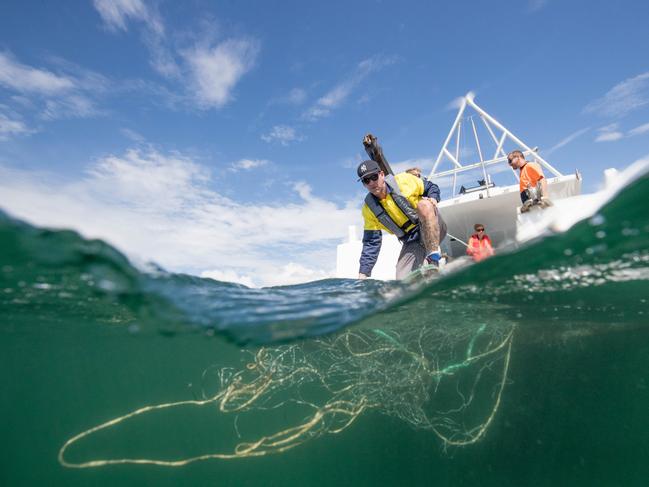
488	246
372	240
469	248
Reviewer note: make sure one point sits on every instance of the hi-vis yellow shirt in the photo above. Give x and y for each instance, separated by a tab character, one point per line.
411	187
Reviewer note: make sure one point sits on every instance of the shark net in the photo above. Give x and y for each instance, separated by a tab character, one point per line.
448	382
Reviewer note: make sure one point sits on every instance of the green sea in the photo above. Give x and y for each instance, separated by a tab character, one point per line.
528	369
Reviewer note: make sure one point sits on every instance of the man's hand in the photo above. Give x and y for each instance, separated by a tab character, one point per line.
362	276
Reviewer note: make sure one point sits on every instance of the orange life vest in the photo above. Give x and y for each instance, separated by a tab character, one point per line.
479	249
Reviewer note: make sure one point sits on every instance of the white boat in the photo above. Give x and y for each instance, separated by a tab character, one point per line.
489	202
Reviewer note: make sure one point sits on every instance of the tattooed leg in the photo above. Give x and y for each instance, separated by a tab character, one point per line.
427	211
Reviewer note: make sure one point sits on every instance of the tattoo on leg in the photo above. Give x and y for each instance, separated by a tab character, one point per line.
430	233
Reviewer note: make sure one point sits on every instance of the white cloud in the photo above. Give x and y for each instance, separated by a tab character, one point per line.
609	136
339	93
282	134
132	135
425	164
283	275
216	70
10	127
316	112
116	13
336	96
247	164
161	207
293	273
644	128
71	106
162	58
567	140
611	133
303	189
69	95
623	98
25	79
148	178
207	72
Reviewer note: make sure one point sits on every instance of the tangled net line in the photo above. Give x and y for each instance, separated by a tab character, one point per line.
426	377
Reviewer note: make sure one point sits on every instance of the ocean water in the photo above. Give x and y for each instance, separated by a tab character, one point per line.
530	368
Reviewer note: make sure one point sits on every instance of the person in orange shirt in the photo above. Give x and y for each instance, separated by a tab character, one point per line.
479	246
531	174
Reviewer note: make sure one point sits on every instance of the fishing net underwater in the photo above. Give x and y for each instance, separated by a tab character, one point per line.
448	381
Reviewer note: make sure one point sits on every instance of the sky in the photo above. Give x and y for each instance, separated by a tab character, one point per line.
221	138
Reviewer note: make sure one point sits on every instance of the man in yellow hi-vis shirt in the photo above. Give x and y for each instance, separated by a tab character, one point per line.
406	206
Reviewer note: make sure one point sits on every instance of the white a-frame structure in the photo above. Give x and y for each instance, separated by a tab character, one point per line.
499	134
491	205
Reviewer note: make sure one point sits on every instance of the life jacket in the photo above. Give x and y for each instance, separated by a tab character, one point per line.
402	203
479	249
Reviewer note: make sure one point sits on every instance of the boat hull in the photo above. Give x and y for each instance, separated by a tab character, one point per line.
496	209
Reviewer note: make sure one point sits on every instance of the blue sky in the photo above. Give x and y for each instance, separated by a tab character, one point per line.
221	138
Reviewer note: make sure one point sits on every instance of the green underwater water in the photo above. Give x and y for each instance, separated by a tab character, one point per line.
561	325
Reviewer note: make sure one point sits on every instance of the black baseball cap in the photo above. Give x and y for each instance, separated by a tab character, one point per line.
367	168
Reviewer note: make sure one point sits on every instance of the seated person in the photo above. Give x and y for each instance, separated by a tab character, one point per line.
479	244
415	171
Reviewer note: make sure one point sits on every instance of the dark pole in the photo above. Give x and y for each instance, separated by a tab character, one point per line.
375	152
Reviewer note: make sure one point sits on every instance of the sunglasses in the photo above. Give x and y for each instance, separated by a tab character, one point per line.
367	179
480	230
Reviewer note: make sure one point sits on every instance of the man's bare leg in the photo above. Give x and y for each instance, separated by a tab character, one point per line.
428	224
